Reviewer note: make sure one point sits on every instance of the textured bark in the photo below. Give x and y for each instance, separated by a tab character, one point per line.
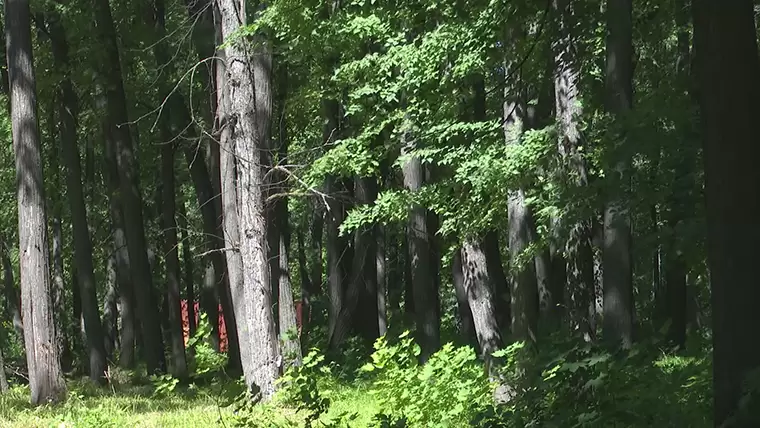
110	310
45	377
316	232
335	253
132	203
467	327
424	294
728	69
478	287
578	254
248	111
616	250
75	189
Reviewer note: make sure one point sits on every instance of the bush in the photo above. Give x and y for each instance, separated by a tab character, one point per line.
446	391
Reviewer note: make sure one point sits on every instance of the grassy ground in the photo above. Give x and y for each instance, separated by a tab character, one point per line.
136	406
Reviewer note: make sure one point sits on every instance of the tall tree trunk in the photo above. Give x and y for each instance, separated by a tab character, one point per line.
478	287
132	203
45	377
168	133
68	111
578	253
728	69
335	253
425	296
675	295
616	250
248	112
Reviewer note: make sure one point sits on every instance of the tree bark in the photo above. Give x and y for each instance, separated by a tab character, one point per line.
4	387
424	294
45	377
467	327
335	253
132	203
248	111
578	253
110	310
728	69
188	268
381	270
478	287
617	276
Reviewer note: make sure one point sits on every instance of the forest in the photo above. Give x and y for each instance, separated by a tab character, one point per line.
379	213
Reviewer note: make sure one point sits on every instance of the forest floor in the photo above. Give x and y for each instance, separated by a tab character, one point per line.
138	406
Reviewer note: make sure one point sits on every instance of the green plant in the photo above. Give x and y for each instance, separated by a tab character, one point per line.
445	391
207	361
299	387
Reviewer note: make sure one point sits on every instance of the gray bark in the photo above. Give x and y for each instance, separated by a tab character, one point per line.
380	266
45	376
12	299
248	110
424	294
467	327
3	379
478	287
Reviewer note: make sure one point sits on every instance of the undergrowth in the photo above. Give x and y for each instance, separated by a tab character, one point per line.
567	384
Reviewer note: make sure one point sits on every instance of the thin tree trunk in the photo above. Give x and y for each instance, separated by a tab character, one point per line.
728	68
188	268
45	376
247	110
578	253
381	269
4	387
132	203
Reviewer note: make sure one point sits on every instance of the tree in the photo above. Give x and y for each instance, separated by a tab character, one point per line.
728	68
45	376
67	111
131	197
247	113
616	252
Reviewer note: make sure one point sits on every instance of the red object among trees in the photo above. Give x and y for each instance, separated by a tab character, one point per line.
196	311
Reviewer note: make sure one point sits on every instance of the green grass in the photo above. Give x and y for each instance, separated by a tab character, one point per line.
136	406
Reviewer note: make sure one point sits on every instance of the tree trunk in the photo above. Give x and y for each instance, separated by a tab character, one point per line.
247	114
335	253
578	253
478	287
132	203
380	267
424	294
188	270
110	310
45	377
4	387
12	299
467	327
728	69
616	250
68	112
